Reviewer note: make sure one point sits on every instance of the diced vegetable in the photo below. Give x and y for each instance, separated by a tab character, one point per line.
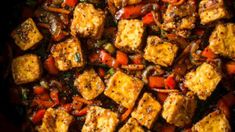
156	82
170	82
70	3
137	59
101	72
121	58
81	112
107	59
54	94
80	99
148	19
162	96
56	10
110	48
39	90
208	54
37	117
111	71
125	115
49	65
133	67
66	107
230	67
43	103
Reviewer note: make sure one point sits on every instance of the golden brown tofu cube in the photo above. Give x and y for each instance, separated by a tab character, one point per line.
212	10
131	126
100	120
26	68
147	110
129	35
87	21
26	35
123	89
159	52
89	84
203	81
55	121
68	54
222	40
179	109
121	3
180	17
213	122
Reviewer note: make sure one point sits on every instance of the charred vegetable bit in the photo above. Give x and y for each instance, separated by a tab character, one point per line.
124	65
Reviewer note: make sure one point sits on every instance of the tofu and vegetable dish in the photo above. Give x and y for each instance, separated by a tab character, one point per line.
126	65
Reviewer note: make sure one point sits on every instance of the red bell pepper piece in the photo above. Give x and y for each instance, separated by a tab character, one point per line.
37	117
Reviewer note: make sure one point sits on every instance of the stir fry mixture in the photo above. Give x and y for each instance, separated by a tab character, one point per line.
126	65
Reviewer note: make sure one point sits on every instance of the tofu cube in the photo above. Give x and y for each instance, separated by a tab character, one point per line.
222	40
179	109
68	54
55	121
180	17
100	120
147	110
213	122
131	126
129	35
87	21
123	89
203	81
89	84
26	68
212	10
159	52
26	35
121	3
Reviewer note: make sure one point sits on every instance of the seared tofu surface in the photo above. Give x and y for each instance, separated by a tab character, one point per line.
160	52
181	17
222	40
89	84
203	81
129	35
147	110
214	122
68	54
26	68
131	126
100	120
212	10
123	89
179	109
87	21
26	35
55	120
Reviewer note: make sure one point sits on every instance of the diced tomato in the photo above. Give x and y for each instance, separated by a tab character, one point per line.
54	94
43	103
39	90
49	65
129	12
148	19
37	117
94	57
70	3
66	107
121	58
107	59
208	53
230	67
170	82
137	59
81	112
162	96
44	96
101	72
156	82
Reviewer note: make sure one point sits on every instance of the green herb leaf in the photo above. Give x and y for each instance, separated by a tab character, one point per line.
111	71
77	57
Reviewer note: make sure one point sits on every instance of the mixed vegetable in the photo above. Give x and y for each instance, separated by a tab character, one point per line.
126	65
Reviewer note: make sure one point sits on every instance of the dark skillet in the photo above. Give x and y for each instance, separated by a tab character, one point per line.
12	113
